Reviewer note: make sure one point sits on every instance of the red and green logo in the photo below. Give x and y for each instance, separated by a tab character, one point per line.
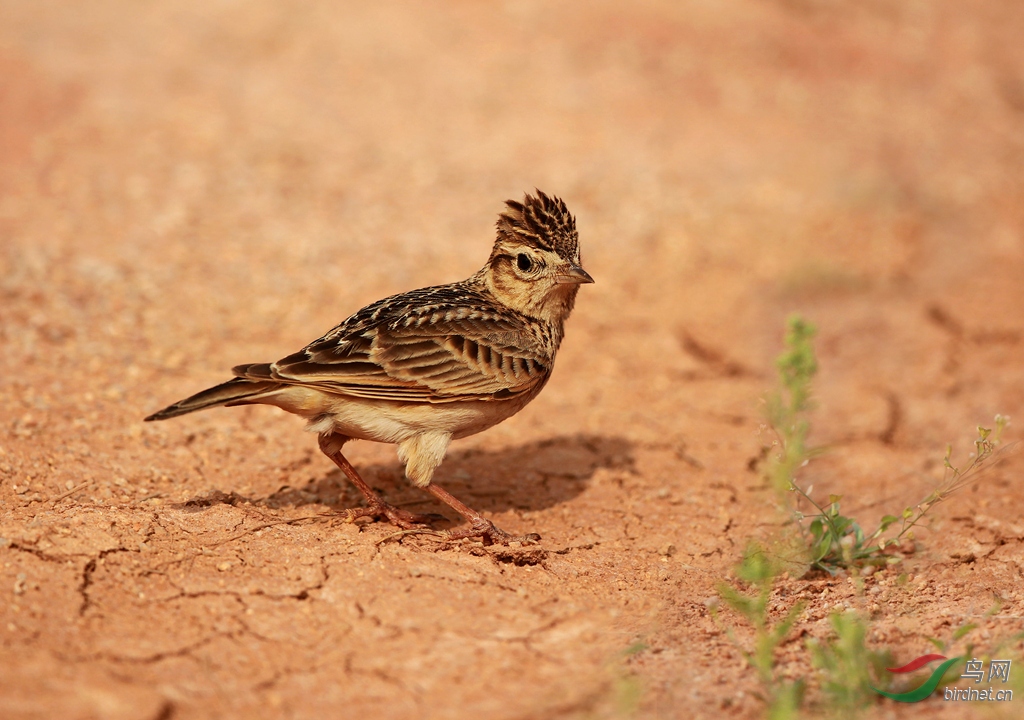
929	685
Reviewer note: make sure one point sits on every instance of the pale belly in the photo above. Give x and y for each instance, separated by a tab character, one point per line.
389	421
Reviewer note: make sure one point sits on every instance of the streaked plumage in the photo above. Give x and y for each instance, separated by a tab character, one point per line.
426	366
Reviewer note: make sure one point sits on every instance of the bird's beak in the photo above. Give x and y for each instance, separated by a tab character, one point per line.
573	274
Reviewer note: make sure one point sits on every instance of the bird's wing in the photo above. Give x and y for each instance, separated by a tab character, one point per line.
433	345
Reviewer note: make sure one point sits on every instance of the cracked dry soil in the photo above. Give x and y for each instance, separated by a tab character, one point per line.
187	186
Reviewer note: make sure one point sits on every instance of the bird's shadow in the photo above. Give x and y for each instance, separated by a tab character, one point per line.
528	477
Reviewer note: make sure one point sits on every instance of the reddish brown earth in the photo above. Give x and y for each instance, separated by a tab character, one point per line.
189	186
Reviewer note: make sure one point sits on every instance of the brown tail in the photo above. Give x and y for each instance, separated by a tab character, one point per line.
234	392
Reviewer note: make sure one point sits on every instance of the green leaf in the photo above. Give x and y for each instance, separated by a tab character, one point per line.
745	606
822	547
963	630
841	526
858	534
817	527
886	522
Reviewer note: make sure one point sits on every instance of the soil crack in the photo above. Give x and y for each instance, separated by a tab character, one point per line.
87	573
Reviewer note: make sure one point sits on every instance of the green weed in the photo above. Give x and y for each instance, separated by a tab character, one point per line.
782	697
832	540
786	409
848	667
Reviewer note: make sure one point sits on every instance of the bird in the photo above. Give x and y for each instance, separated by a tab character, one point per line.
425	367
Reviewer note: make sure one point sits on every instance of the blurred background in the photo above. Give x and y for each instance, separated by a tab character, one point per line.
223	181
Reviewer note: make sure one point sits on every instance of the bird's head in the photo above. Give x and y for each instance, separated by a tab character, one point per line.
535	265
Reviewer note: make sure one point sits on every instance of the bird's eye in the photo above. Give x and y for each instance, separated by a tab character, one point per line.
524	262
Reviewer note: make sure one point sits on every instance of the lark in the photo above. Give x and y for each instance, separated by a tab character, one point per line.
424	367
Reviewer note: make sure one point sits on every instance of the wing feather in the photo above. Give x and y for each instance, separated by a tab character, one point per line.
435	345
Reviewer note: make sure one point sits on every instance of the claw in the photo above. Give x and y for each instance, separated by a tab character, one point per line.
490	534
396	516
403	533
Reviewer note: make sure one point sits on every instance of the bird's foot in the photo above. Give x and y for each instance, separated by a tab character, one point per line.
489	533
396	516
479	526
375	508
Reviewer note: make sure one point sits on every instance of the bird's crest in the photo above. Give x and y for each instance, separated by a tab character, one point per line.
543	221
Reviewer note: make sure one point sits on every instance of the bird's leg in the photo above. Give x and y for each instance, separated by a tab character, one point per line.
376	507
479	526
